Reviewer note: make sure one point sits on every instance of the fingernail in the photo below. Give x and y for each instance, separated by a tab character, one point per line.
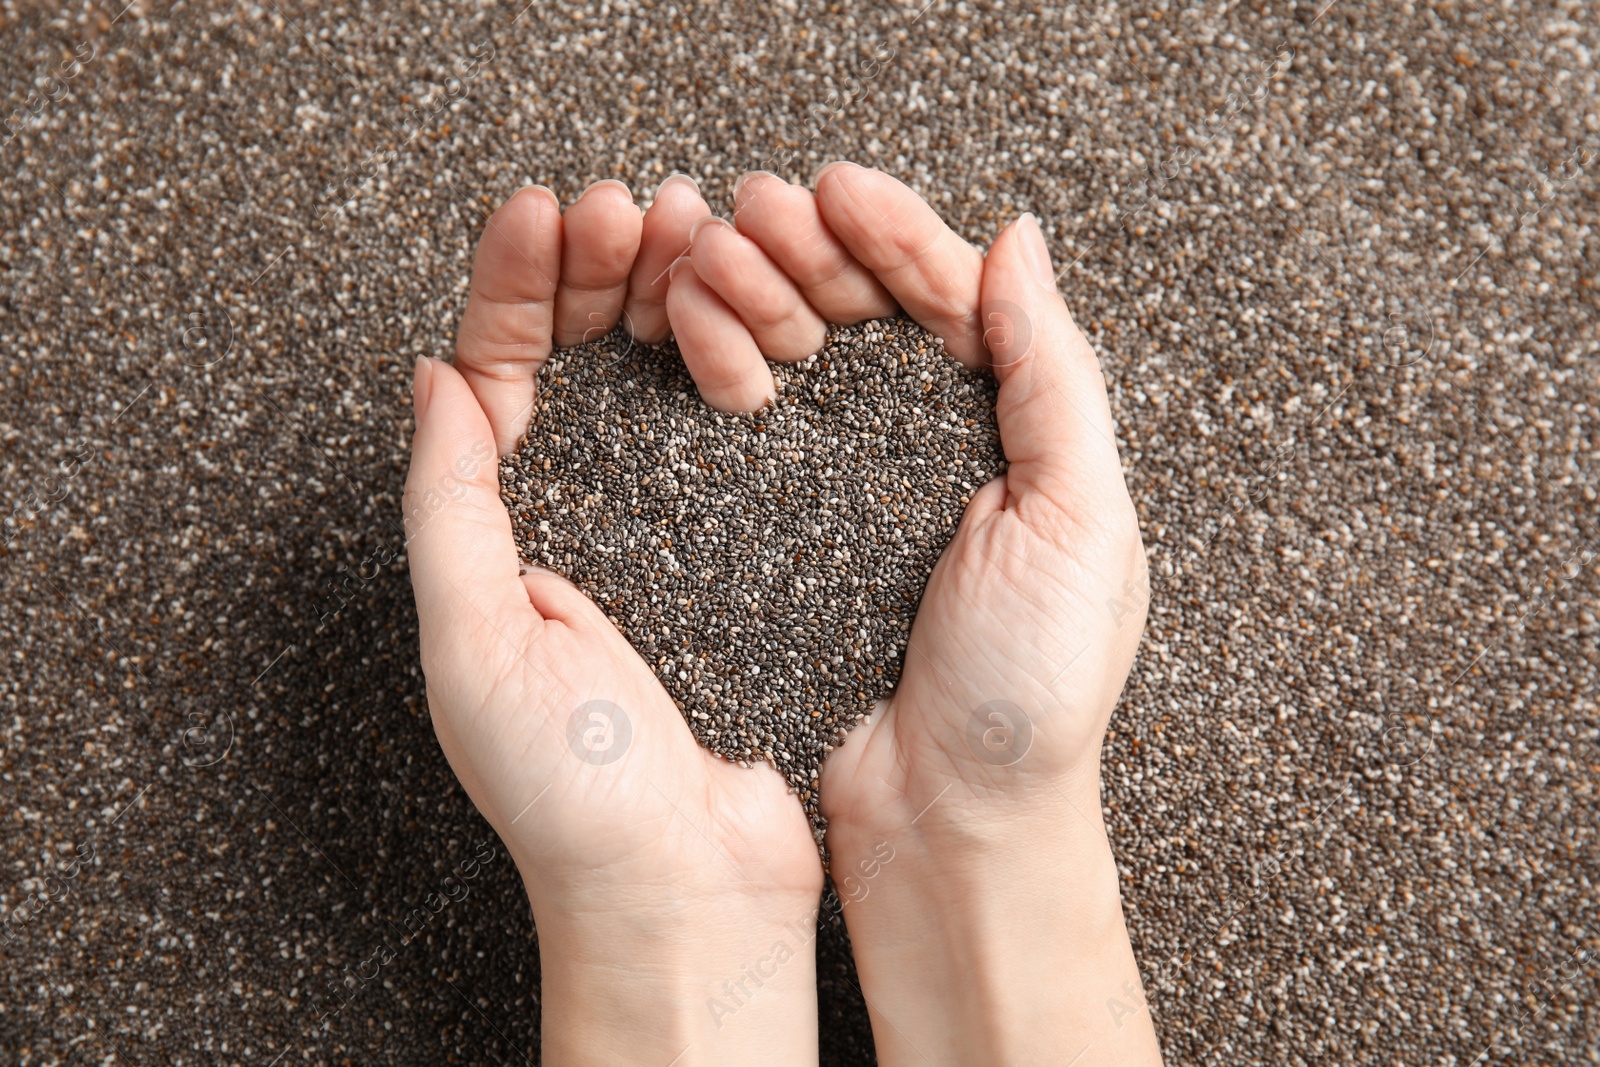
605	181
421	388
681	263
746	176
1035	251
816	175
678	176
707	221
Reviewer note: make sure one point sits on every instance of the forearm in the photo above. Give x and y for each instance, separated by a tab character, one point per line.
687	986
999	944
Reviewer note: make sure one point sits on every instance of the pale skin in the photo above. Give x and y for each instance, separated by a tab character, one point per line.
658	874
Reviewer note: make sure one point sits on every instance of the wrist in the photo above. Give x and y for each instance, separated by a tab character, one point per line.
991	931
657	978
982	845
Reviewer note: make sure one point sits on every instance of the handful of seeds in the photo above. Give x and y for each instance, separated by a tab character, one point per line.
767	566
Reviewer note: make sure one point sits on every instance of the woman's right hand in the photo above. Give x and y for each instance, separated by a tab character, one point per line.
964	818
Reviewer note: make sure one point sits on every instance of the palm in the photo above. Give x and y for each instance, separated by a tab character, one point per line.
995	690
583	764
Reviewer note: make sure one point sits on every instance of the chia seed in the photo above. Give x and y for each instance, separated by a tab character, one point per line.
767	566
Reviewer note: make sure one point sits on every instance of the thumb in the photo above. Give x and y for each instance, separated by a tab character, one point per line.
464	568
505	333
1055	419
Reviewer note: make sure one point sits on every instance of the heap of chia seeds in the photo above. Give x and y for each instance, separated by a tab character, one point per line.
767	566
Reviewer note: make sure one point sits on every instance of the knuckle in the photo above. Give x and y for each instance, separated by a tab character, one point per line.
825	267
771	314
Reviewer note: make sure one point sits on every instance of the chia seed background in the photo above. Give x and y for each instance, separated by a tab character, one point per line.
1339	263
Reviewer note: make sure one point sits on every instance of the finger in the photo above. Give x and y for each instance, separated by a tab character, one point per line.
505	332
784	221
458	535
678	206
1055	419
599	243
784	326
721	355
892	231
557	599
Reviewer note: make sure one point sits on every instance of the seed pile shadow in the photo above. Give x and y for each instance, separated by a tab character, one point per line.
766	566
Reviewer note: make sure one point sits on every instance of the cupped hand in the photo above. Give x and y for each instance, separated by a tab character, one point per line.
1029	624
964	816
1030	621
655	869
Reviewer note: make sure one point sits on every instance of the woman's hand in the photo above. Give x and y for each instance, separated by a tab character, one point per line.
964	817
660	876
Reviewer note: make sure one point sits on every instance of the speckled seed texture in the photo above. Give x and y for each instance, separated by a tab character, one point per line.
767	566
1341	264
